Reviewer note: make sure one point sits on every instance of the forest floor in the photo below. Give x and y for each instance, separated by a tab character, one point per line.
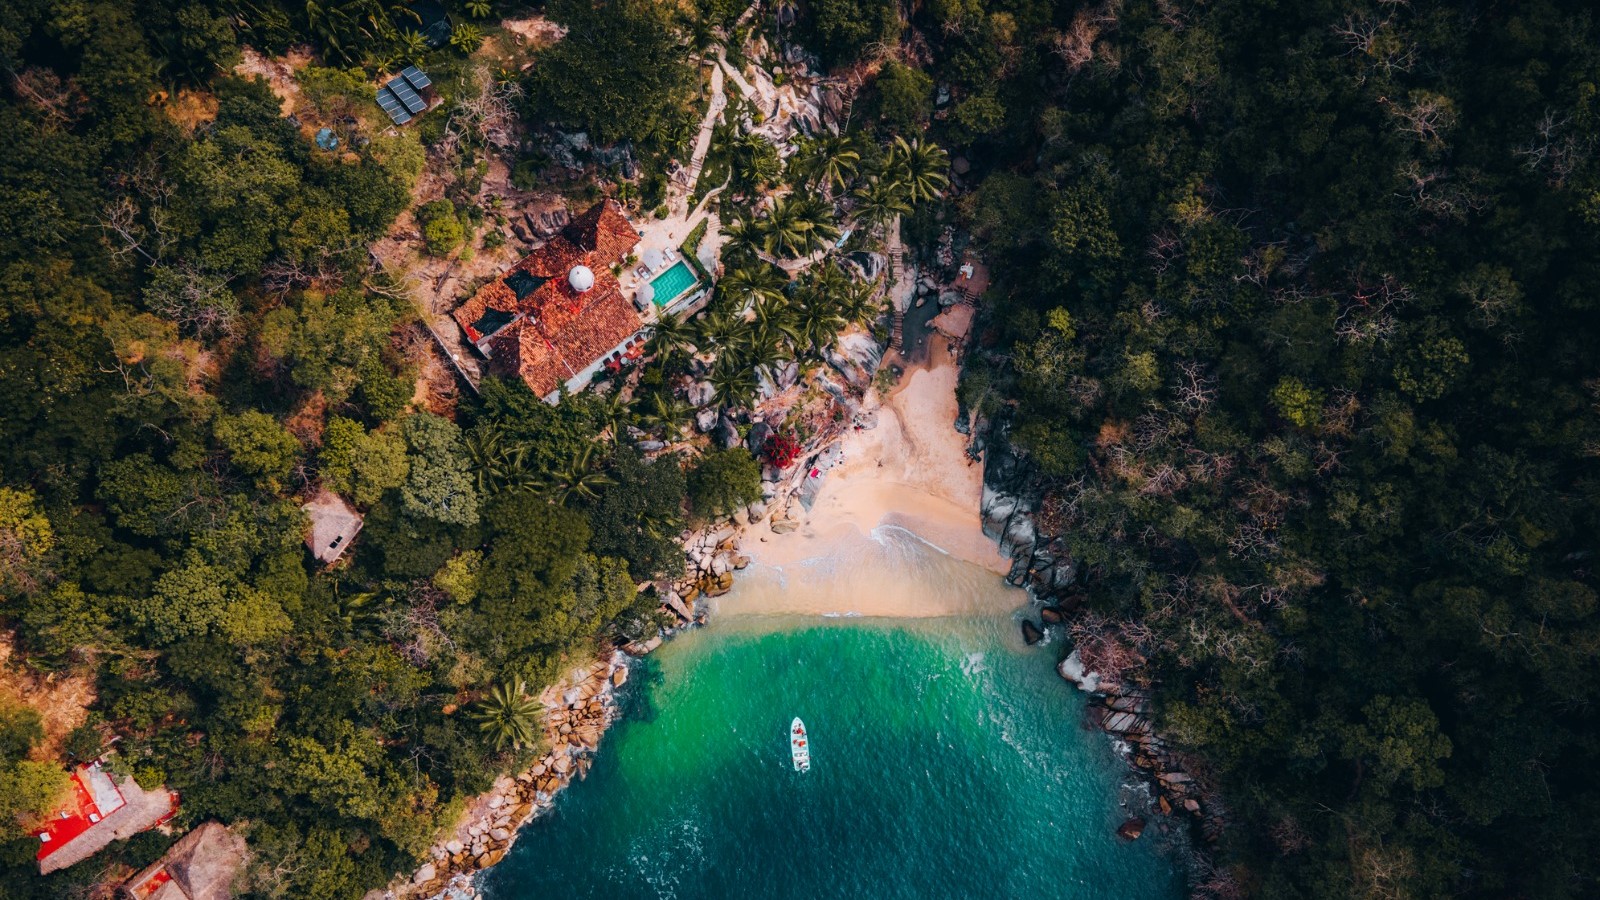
62	700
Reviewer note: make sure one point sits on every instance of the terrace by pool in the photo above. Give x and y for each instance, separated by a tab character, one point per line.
672	284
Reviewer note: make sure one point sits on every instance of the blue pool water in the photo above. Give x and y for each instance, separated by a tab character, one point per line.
670	285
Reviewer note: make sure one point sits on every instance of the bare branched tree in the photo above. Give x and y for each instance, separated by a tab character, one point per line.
484	112
47	92
198	301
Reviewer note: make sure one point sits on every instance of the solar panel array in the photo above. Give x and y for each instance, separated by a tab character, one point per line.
401	97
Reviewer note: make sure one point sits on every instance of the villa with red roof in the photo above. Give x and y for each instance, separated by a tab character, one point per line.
559	315
99	810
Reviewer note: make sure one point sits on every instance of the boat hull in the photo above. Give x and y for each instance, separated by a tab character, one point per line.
799	746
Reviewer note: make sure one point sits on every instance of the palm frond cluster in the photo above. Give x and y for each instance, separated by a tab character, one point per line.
827	174
508	716
500	464
759	321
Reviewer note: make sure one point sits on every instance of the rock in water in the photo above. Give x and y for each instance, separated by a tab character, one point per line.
1051	615
1031	633
1131	829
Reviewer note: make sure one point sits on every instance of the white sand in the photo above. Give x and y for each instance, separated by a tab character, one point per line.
911	473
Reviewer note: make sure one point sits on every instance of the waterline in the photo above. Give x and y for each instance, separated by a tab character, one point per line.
948	761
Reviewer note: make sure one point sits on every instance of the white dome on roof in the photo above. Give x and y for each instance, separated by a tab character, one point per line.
581	278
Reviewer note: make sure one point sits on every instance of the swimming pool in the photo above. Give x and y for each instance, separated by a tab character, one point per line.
671	284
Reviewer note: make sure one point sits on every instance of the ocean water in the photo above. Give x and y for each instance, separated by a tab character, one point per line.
948	761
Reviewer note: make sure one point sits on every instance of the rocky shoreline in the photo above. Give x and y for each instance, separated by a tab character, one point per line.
581	706
1042	565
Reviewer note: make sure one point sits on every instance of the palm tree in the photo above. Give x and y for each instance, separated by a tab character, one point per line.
750	284
773	314
661	412
413	46
820	316
859	303
580	480
755	161
716	329
498	463
466	37
742	241
734	380
669	338
509	716
614	415
880	200
829	162
920	167
798	225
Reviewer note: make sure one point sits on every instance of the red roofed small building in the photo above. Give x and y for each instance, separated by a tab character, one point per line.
98	811
558	315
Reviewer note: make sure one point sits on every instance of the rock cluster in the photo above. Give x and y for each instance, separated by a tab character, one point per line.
580	708
1124	712
1041	564
712	558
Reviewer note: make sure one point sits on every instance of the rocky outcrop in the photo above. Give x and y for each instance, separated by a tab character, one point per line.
1043	564
580	708
1030	633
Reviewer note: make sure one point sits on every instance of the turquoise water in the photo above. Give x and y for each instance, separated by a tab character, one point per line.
671	284
947	761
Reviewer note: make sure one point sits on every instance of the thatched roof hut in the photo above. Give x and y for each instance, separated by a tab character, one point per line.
202	865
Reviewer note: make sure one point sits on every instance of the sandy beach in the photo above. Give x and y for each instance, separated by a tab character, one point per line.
908	482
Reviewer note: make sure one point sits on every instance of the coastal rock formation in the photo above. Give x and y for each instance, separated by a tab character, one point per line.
1030	632
1043	564
580	708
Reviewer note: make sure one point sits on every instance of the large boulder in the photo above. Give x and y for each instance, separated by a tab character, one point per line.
705	420
788	375
1131	829
1072	669
756	440
726	434
700	393
1030	632
997	509
1018	538
871	264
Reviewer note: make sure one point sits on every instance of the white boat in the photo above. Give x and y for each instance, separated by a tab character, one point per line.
799	746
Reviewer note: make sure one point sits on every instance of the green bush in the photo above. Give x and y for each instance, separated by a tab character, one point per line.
722	481
442	231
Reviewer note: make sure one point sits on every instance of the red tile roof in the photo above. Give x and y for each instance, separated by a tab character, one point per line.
554	332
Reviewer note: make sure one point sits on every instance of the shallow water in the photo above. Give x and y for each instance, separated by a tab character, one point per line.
947	761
